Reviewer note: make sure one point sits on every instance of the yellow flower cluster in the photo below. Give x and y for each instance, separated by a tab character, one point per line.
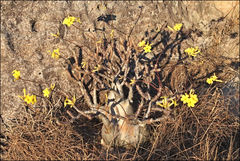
27	98
70	20
55	53
47	91
146	47
69	102
191	99
192	51
212	79
165	102
16	74
177	27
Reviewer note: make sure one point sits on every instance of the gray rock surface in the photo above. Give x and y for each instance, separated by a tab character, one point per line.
26	28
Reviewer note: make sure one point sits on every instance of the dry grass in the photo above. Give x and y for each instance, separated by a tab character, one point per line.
37	137
207	132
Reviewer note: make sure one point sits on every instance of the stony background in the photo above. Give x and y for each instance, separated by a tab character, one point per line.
26	29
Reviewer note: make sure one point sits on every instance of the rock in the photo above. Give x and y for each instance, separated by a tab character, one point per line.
27	27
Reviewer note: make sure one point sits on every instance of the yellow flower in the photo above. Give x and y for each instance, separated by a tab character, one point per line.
185	98
55	53
56	35
212	79
165	103
97	68
177	27
112	34
174	102
16	74
142	43
52	86
69	102
192	51
83	64
147	48
46	92
66	102
132	81
33	99
70	20
209	81
27	98
191	98
191	103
